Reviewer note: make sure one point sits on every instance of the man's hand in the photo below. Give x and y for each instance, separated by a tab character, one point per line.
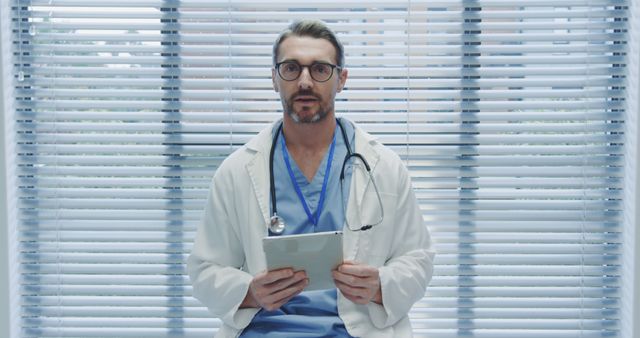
271	289
358	282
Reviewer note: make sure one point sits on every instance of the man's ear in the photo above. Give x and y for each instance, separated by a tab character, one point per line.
344	73
273	80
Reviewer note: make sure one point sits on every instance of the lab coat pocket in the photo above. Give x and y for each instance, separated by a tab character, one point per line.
377	240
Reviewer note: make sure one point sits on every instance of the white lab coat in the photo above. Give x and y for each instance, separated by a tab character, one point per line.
228	247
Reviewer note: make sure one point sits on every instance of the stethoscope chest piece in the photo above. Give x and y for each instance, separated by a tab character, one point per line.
276	225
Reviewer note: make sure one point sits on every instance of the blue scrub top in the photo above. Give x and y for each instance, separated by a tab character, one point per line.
311	313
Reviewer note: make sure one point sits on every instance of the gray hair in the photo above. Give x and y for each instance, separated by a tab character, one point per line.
310	28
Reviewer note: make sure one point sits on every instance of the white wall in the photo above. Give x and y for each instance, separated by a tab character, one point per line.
8	326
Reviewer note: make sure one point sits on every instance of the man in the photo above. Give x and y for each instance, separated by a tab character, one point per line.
388	262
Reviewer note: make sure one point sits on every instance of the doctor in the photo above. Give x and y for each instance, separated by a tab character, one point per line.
295	165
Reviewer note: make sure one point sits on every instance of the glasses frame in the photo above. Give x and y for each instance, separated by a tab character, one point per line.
302	67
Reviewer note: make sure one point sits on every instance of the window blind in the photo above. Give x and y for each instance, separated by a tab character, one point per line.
509	115
630	326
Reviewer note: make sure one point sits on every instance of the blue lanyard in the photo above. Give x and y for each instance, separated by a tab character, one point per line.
285	154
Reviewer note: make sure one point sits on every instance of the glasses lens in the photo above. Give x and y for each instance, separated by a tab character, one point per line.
321	72
289	70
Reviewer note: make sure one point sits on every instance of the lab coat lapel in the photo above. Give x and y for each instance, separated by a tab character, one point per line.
355	240
361	177
258	169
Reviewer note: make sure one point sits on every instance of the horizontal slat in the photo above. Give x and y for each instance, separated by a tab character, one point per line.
120	182
417	14
510	252
340	106
207	333
124	319
442	228
518	324
398	128
147	290
416	87
459	281
115	301
55	47
275	27
194	161
419	333
432	172
226	61
352	38
216	153
111	214
365	71
246	94
188	303
470	271
468	227
438	194
115	247
579	138
129	332
582	116
253	4
442	259
169	204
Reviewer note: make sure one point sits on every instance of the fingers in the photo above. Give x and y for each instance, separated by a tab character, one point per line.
274	288
359	283
357	274
359	270
281	297
355	294
268	277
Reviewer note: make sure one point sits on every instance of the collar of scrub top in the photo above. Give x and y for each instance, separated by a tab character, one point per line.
277	223
323	192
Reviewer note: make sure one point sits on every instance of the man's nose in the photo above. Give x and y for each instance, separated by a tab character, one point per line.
305	81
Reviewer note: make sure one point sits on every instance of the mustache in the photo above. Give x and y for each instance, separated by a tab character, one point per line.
304	93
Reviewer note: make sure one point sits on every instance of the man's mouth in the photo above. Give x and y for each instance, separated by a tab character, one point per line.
305	99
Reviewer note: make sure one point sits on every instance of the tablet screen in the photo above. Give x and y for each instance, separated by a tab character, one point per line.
316	253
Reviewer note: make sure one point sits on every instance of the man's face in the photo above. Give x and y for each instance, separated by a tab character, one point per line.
305	100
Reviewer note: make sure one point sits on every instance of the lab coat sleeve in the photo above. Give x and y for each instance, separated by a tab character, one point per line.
216	258
405	275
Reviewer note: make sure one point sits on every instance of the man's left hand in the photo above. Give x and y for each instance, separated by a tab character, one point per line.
360	283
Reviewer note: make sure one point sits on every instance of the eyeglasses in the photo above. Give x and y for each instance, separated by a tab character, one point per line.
319	71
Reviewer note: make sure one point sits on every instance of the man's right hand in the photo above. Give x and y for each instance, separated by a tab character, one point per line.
272	289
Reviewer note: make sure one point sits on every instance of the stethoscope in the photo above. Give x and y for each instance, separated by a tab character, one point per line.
277	223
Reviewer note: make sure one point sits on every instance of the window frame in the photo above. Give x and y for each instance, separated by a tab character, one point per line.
8	327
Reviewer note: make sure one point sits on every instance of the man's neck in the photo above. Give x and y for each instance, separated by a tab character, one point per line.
308	142
309	137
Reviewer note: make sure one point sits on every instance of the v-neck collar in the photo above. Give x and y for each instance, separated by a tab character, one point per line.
318	177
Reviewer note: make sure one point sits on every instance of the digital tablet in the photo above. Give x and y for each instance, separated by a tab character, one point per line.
316	253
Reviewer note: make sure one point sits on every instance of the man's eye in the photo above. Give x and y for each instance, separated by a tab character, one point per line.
321	69
291	67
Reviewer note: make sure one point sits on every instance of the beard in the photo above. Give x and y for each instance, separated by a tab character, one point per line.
319	115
